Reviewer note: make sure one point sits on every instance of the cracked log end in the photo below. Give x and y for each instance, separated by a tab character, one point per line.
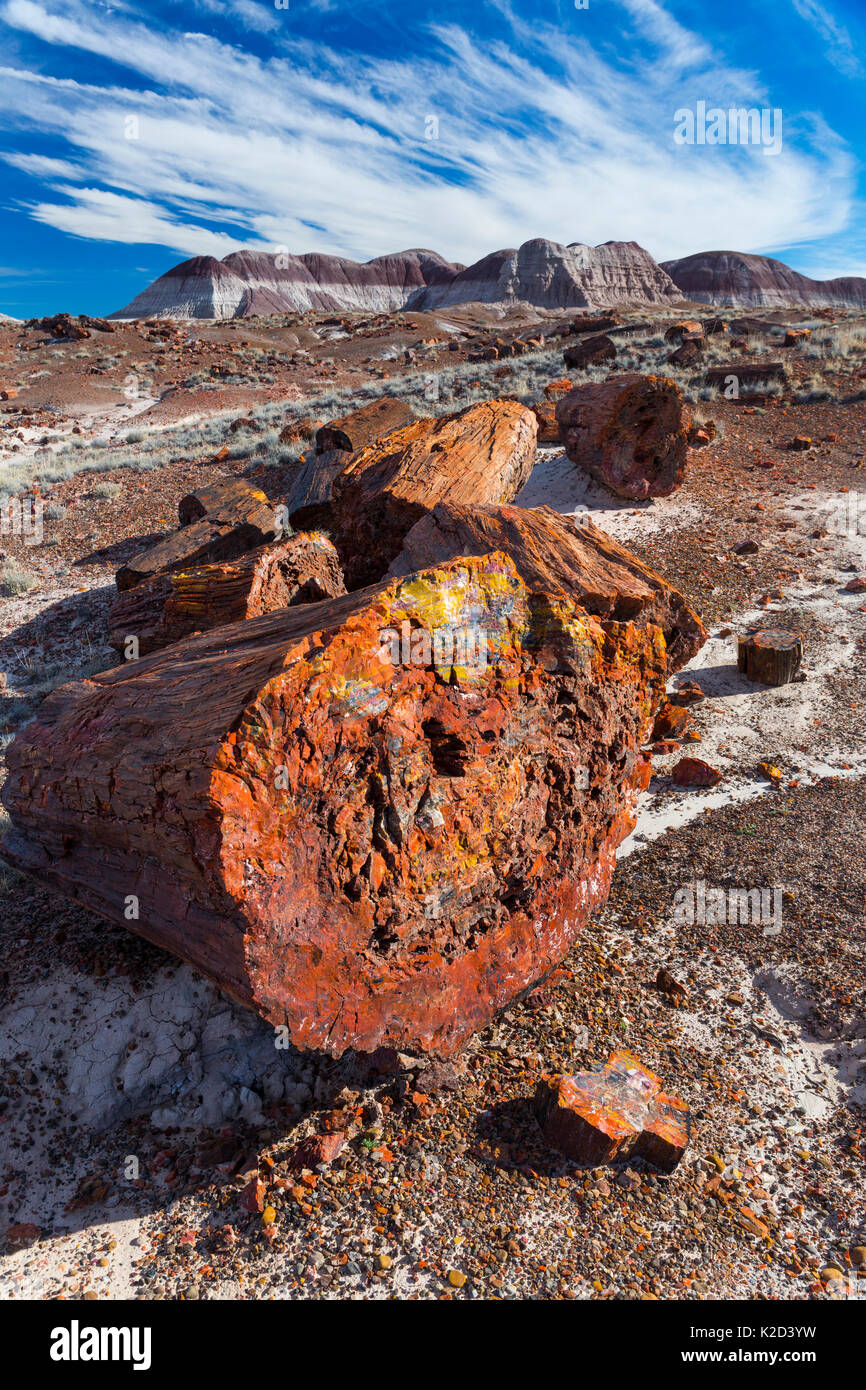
370	853
629	432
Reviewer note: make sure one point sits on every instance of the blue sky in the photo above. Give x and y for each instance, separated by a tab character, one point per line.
134	135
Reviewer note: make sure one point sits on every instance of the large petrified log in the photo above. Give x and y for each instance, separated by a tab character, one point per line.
732	376
376	820
361	427
231	498
629	432
167	607
557	555
245	521
482	454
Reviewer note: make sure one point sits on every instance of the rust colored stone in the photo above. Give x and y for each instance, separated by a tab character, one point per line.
694	772
303	569
548	426
617	1111
483	454
629	432
670	722
555	554
225	798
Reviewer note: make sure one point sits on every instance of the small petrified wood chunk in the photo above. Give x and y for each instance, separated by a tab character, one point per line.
617	1111
377	820
362	427
557	554
771	656
240	520
303	569
629	432
590	352
483	454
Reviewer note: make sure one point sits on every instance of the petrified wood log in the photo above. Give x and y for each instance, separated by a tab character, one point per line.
556	555
231	498
376	820
207	541
745	373
771	656
629	432
548	425
590	351
309	501
482	454
303	569
362	427
685	329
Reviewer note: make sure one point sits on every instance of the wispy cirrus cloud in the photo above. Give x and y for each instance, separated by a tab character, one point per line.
841	50
212	147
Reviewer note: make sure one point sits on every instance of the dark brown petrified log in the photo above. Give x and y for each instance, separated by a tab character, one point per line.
629	432
482	454
558	555
376	820
309	501
303	569
590	351
241	519
745	373
230	498
771	656
361	427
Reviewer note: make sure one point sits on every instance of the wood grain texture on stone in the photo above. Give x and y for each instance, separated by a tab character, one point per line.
629	432
362	427
213	538
481	455
557	555
589	352
230	498
771	656
303	569
368	850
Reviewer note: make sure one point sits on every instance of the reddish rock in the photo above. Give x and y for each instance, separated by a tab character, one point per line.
617	1111
856	586
303	569
694	772
685	330
21	1236
483	454
317	1149
793	336
555	389
670	722
689	693
548	425
556	555
297	431
590	352
800	442
225	798
630	432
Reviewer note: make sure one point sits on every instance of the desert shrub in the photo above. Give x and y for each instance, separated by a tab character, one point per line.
14	579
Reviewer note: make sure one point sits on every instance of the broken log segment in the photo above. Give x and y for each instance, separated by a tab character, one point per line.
733	375
309	500
362	427
556	554
771	656
207	541
376	820
629	432
303	569
590	351
481	455
230	498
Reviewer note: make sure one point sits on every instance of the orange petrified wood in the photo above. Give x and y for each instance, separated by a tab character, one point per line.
617	1111
368	838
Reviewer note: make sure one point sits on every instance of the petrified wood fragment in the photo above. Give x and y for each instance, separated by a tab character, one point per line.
771	656
303	569
617	1111
590	352
629	432
362	427
732	376
309	501
239	519
557	555
482	454
370	846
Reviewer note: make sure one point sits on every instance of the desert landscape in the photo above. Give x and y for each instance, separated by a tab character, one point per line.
432	763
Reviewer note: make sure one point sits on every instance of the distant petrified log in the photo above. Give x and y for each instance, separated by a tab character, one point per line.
688	352
299	429
771	656
629	432
303	569
556	555
685	330
362	427
734	375
590	352
483	454
241	519
793	336
376	820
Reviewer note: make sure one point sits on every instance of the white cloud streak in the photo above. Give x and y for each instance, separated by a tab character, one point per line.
315	149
